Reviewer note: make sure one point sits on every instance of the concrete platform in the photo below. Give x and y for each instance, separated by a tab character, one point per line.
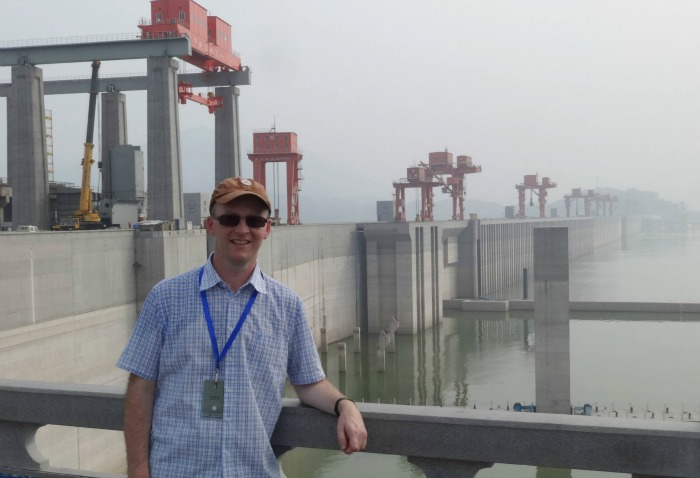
575	306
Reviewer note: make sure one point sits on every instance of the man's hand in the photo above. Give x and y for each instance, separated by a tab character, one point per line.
352	435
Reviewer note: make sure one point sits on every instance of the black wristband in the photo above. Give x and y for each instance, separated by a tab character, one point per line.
337	402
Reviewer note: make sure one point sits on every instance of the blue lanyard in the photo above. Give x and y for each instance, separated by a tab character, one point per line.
210	325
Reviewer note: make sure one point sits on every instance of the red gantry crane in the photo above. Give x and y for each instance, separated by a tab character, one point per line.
416	177
428	176
588	198
210	37
277	147
540	189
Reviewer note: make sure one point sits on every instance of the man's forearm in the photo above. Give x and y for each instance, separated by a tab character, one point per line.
321	395
138	413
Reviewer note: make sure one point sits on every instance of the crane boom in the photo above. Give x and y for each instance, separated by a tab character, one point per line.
85	217
85	212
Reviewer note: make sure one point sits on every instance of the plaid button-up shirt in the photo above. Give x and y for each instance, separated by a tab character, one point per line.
170	344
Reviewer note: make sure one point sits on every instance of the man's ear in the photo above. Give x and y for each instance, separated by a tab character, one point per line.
209	225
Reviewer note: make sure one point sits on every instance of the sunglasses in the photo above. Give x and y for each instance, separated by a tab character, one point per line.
232	220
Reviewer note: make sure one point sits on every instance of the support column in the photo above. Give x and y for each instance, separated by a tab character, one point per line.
227	136
467	272
164	164
27	166
552	356
392	276
114	133
441	468
17	441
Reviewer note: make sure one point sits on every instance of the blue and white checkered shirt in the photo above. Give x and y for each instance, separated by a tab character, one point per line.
171	344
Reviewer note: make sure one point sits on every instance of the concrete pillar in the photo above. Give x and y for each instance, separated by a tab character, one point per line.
114	133
381	360
164	164
5	196
27	166
552	356
342	358
441	468
324	341
391	276
19	449
467	272
227	136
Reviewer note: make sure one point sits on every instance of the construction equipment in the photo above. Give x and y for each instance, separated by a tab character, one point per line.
532	183
85	217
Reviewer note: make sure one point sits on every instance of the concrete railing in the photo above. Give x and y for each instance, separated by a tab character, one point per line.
443	442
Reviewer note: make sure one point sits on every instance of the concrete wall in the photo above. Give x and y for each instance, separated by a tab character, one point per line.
68	303
505	247
161	254
69	300
410	267
67	310
46	276
320	264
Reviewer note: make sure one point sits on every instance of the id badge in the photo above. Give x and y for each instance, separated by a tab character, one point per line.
213	399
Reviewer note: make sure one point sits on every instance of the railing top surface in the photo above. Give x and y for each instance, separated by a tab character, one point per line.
656	447
20	393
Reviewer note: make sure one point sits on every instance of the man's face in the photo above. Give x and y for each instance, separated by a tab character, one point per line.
238	246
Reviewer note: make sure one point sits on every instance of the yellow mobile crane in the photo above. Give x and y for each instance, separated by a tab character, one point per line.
85	217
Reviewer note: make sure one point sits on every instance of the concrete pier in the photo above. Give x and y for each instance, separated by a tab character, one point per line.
552	352
227	145
164	163
27	166
114	133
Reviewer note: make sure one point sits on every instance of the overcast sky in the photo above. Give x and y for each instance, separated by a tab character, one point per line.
591	93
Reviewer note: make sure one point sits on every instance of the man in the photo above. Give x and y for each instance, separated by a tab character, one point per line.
210	354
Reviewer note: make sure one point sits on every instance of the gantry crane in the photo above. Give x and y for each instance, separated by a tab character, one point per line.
588	198
604	200
416	177
279	147
441	163
540	189
210	38
428	176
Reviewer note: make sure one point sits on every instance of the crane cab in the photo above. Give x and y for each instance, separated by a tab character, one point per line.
210	35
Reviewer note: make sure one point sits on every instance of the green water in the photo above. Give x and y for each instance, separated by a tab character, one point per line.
618	361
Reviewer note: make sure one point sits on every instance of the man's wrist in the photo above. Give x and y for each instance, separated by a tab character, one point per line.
336	407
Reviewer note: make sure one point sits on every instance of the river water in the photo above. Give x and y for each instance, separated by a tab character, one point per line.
622	364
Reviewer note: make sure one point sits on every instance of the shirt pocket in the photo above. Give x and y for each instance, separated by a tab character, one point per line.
267	359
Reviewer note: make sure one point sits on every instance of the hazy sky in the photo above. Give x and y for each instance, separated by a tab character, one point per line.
591	93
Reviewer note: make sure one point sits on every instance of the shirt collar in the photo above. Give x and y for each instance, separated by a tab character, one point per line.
210	278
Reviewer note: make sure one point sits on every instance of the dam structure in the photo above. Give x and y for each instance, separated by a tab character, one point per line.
72	298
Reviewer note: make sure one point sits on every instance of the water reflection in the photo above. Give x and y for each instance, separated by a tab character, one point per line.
630	364
621	362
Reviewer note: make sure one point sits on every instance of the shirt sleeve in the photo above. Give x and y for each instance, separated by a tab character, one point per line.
304	366
141	356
